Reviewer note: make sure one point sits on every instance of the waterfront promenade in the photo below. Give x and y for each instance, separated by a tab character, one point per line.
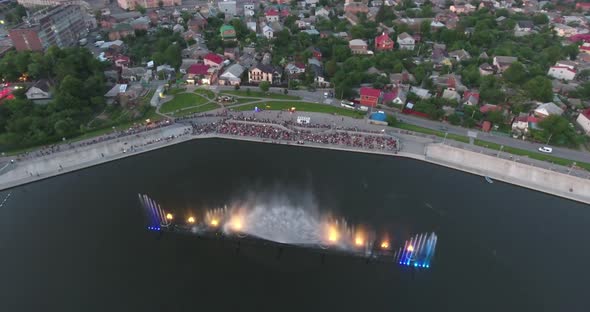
324	131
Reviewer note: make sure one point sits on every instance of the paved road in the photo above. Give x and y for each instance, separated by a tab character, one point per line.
316	96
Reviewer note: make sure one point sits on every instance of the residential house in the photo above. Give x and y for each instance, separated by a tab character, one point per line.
490	108
401	78
263	72
451	94
186	63
369	96
267	32
584	120
353	8
133	73
201	74
396	96
141	23
486	69
301	24
120	31
405	41
462	8
319	77
358	46
566	31
252	26
448	81
524	27
316	53
311	3
420	92
40	92
213	60
547	109
311	32
503	62
583	6
197	23
272	15
322	12
562	72
293	69
227	32
231	53
459	55
232	75
470	98
383	43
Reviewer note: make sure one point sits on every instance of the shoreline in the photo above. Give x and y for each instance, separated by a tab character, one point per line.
482	172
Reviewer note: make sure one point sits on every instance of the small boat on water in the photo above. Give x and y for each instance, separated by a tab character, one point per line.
489	180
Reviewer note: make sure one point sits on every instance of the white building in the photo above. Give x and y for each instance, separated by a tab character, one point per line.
232	75
267	32
227	7
562	73
406	42
584	120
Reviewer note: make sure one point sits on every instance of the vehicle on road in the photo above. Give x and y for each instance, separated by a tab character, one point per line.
83	41
347	104
545	149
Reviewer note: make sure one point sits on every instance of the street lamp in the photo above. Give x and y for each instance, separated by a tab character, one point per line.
500	151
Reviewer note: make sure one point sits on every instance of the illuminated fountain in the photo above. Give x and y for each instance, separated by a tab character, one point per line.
288	224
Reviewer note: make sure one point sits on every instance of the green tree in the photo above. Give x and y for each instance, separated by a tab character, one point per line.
540	89
264	86
557	130
540	19
140	8
331	68
516	73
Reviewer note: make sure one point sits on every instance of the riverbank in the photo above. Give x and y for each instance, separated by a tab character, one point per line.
418	148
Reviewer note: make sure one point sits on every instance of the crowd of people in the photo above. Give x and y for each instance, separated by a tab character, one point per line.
274	133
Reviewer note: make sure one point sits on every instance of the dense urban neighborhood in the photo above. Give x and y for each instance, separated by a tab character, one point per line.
514	68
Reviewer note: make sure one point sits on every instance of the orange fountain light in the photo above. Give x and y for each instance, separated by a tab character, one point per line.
410	248
191	220
169	216
214	222
332	234
384	244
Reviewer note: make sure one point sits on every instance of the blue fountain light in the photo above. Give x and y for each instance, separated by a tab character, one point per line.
419	250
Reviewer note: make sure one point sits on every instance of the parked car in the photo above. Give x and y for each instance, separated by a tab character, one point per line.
545	149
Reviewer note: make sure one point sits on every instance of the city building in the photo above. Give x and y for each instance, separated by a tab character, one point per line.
148	4
547	109
61	26
213	60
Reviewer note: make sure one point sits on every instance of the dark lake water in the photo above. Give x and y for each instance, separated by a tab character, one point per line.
78	243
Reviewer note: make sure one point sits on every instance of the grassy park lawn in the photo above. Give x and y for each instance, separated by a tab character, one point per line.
438	133
181	101
268	95
208	93
174	91
198	109
302	106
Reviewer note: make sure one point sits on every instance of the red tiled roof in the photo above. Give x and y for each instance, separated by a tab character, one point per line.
272	12
585	48
382	38
213	58
366	91
487	126
198	69
533	119
490	108
564	67
586	113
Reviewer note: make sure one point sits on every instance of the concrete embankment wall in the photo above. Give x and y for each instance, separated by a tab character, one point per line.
535	178
86	156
